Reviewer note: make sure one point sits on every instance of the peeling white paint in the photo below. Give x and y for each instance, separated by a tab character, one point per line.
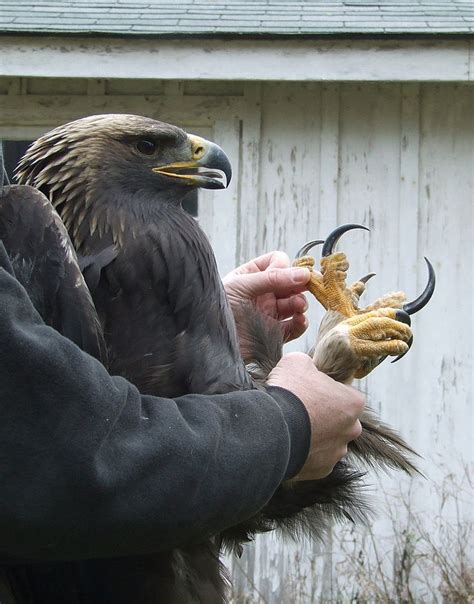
246	60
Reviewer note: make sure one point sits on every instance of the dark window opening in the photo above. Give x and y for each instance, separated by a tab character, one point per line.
14	150
12	153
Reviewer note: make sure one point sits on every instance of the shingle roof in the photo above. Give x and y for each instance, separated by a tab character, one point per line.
215	18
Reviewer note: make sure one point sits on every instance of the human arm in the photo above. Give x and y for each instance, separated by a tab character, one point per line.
92	468
270	284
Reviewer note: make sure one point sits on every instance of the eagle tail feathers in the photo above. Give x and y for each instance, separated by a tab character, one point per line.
307	508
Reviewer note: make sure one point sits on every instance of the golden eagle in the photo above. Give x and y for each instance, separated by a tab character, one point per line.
117	183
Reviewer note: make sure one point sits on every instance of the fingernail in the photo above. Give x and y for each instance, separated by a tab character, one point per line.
300	275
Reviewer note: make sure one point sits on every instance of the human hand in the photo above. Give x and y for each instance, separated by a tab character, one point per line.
275	288
334	411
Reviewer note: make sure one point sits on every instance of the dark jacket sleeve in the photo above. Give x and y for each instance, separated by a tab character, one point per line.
89	467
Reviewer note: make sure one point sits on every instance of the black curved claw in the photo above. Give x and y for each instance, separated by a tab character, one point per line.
412	307
410	342
367	277
308	246
335	235
403	317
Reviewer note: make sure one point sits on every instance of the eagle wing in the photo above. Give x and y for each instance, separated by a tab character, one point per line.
45	263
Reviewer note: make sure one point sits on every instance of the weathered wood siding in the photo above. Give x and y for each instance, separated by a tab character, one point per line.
308	156
398	158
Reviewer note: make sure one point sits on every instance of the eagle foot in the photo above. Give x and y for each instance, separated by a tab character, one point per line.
361	337
352	348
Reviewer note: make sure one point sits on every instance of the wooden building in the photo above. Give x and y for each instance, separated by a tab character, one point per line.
331	112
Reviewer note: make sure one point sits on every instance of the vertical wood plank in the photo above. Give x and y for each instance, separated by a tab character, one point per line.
218	209
329	158
325	219
249	242
404	415
409	183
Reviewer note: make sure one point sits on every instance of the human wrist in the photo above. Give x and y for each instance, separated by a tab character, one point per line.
299	427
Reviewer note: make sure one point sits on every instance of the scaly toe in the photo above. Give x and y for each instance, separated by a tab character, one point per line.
315	285
390	300
339	297
304	262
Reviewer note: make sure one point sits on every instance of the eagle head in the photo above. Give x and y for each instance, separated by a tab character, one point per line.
107	170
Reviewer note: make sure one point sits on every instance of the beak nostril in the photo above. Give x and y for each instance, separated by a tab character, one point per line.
198	152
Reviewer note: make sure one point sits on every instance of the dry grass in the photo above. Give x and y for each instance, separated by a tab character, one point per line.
420	558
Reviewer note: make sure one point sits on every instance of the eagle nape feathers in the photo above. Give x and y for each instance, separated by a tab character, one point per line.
117	183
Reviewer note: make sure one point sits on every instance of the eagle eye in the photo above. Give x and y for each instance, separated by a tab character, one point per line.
146	146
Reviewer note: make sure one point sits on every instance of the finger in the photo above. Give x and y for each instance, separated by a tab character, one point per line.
275	259
283	282
287	307
295	327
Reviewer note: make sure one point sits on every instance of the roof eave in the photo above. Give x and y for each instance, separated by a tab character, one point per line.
349	35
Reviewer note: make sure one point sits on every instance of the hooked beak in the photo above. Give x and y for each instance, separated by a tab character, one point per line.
208	168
